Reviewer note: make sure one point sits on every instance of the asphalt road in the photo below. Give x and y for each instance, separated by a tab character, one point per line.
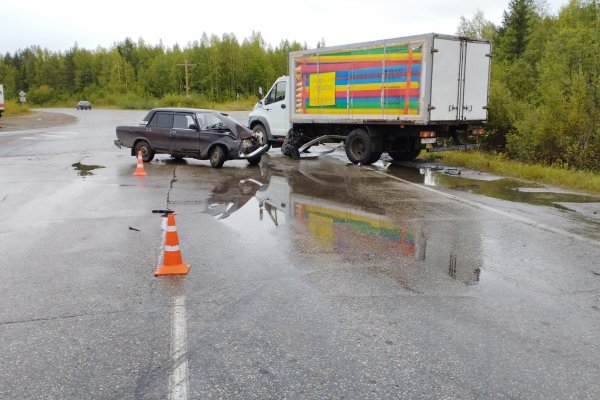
310	279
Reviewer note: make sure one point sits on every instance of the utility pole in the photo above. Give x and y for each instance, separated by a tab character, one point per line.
186	64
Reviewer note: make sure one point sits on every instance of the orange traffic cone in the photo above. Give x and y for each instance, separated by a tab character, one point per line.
172	263
139	171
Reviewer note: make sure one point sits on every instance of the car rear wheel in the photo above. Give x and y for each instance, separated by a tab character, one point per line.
147	152
217	157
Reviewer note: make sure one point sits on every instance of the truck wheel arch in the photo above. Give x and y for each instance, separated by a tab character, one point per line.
264	123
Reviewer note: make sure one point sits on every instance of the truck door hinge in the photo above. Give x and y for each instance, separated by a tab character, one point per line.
430	107
434	51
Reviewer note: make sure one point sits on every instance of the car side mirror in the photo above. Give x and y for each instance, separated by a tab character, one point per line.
194	127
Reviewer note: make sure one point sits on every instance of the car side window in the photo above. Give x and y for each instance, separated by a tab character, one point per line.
182	121
162	120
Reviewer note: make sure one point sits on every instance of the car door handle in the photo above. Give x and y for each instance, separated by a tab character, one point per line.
283	106
148	130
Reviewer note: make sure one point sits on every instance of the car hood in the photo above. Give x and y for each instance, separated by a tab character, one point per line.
241	131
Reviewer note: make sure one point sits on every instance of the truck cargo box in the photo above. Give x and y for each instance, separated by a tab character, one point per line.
423	80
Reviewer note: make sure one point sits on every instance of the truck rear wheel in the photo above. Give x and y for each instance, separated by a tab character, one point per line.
359	147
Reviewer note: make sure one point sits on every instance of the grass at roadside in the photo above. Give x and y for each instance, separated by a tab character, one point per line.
134	102
497	164
14	109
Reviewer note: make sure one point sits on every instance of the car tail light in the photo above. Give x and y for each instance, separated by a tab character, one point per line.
478	132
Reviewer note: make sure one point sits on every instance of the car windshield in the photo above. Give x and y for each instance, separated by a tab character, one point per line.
221	122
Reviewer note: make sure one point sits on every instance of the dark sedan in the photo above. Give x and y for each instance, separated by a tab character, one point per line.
84	105
187	132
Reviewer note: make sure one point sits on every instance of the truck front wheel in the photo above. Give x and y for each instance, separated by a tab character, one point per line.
359	147
261	133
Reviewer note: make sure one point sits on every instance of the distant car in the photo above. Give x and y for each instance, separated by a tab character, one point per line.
84	105
189	132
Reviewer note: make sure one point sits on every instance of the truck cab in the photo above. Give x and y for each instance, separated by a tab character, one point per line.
270	117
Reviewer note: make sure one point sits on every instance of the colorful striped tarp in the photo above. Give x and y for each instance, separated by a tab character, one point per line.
382	80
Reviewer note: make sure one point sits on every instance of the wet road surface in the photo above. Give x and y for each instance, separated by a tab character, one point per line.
309	279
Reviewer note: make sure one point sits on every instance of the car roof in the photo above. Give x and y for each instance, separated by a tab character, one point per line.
192	110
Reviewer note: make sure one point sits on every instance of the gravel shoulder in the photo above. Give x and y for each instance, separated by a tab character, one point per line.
37	119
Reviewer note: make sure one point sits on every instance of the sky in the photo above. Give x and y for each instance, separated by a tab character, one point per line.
58	24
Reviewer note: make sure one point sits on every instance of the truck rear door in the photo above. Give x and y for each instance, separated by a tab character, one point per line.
459	80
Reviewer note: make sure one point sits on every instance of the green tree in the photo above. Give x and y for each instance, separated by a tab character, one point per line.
476	27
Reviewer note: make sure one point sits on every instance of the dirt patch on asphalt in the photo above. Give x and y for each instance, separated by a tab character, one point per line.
37	119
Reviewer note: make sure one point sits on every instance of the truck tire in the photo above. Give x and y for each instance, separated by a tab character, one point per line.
359	147
217	157
406	155
291	143
146	149
263	137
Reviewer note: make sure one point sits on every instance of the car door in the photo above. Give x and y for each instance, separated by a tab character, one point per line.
184	137
275	108
212	130
158	131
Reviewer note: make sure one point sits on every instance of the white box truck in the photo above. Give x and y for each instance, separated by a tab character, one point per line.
394	95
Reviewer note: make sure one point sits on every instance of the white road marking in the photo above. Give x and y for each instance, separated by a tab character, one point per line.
505	214
179	381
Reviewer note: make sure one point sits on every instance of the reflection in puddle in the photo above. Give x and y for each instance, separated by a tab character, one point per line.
327	220
503	188
85	170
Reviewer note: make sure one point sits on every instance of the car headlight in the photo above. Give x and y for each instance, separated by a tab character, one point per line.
246	144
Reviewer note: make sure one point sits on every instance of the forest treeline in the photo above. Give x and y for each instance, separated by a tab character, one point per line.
134	74
544	95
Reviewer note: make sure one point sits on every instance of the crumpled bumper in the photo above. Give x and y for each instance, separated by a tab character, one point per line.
255	153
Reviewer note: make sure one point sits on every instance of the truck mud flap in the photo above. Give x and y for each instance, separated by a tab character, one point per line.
457	147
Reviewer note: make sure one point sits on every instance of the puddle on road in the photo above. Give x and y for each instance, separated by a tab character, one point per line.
85	170
322	214
503	188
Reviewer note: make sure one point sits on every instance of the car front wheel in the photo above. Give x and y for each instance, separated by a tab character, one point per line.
217	157
254	160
